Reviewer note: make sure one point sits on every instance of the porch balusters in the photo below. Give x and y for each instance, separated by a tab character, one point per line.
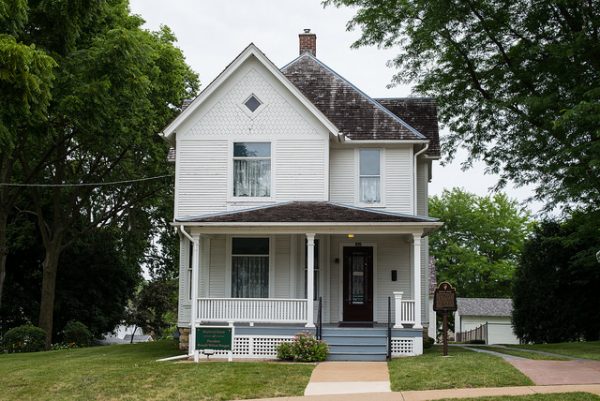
310	279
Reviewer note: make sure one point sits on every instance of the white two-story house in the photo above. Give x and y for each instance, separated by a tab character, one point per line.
301	204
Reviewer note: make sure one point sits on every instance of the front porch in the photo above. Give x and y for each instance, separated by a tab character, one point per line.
270	281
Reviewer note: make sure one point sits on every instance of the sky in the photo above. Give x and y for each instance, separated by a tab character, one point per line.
211	33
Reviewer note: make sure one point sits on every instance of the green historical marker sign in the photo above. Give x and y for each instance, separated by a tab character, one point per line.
217	338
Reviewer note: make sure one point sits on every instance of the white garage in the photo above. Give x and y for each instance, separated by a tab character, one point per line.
488	319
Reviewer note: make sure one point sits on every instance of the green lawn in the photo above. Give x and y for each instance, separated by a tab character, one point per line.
463	369
588	350
536	397
524	353
129	372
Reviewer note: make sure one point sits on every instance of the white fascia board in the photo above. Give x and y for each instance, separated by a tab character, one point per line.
249	51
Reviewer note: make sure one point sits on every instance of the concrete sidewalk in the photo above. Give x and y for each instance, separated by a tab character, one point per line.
442	394
349	378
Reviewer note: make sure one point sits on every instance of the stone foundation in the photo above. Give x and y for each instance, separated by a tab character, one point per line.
184	338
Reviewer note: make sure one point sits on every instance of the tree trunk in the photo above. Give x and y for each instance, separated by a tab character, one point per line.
3	249
50	269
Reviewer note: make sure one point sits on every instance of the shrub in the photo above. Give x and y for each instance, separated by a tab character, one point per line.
77	333
26	338
428	342
285	352
304	348
479	342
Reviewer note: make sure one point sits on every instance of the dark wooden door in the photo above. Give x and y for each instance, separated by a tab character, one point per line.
358	284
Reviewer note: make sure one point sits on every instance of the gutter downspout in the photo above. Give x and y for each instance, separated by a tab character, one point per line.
415	198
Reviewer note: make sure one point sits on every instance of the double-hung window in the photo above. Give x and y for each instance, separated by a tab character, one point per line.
252	169
370	176
250	267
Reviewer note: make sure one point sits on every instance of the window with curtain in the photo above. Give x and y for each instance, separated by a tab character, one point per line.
370	175
250	268
252	169
316	286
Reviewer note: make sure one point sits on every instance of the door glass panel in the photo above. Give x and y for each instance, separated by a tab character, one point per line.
357	280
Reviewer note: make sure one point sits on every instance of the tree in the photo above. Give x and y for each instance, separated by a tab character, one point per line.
478	248
556	283
115	87
153	306
26	76
517	82
96	279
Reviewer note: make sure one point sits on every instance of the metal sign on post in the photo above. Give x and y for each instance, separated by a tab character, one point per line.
444	301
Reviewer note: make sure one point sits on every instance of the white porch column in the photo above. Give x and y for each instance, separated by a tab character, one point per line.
194	279
310	279
417	279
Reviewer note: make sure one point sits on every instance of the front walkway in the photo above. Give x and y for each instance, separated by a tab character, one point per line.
349	378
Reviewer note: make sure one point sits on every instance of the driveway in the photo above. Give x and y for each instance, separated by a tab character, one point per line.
545	373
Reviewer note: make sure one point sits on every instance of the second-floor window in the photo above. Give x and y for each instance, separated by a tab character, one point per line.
252	169
370	176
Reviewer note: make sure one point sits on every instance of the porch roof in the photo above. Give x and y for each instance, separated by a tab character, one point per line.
310	213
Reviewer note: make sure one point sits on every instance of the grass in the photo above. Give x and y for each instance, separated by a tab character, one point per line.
587	350
463	369
536	397
129	372
524	353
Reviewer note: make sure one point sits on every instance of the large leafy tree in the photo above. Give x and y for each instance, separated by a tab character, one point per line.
478	248
115	87
517	81
557	281
26	75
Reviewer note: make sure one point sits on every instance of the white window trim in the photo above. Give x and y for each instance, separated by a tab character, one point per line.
230	157
382	186
252	114
229	257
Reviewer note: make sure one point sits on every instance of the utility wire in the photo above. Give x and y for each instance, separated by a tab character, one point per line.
85	184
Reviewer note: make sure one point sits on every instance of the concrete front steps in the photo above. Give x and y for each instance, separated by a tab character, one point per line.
356	343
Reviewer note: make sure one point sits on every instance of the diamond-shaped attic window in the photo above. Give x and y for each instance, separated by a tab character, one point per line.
252	103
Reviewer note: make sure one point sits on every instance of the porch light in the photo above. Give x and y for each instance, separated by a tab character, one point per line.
350	235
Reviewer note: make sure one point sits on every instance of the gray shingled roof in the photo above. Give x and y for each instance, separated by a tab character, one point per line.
355	114
307	212
484	306
420	113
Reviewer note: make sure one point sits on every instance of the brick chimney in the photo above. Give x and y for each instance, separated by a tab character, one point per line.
308	43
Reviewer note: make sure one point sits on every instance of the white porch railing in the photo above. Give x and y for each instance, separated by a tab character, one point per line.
251	310
404	310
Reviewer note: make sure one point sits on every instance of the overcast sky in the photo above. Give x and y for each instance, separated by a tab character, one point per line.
212	33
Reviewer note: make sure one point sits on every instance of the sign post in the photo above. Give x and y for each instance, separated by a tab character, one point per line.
444	301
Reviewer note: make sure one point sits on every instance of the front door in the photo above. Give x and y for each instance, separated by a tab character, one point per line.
358	284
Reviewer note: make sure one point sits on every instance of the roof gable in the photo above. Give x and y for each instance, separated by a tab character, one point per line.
356	115
248	52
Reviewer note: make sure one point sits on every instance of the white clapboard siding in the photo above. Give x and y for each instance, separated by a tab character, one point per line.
393	253
342	181
184	304
201	177
300	172
422	190
282	266
398	172
217	267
